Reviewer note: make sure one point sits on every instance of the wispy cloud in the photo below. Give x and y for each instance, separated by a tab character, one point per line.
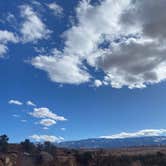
16	115
57	9
63	129
16	102
5	38
30	103
140	133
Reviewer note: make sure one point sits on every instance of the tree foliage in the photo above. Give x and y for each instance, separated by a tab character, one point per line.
28	146
4	143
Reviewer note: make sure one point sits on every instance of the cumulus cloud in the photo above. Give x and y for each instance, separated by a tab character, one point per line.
57	9
16	102
32	28
137	60
47	122
49	138
80	42
46	113
123	38
62	69
140	133
5	38
30	103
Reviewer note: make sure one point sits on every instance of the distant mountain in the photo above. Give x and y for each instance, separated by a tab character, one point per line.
115	143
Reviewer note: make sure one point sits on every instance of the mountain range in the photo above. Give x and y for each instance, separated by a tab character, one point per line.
115	143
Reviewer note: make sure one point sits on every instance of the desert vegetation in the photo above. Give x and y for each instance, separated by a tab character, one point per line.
47	154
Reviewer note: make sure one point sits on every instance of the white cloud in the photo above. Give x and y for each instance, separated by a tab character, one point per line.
97	83
62	69
140	133
45	128
3	50
80	42
32	28
16	102
30	103
47	122
124	38
11	20
49	138
5	38
16	115
63	129
46	113
94	23
57	9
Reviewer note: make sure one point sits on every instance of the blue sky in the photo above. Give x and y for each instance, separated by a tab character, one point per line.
82	69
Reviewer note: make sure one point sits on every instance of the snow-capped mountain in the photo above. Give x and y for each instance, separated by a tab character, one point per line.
115	143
